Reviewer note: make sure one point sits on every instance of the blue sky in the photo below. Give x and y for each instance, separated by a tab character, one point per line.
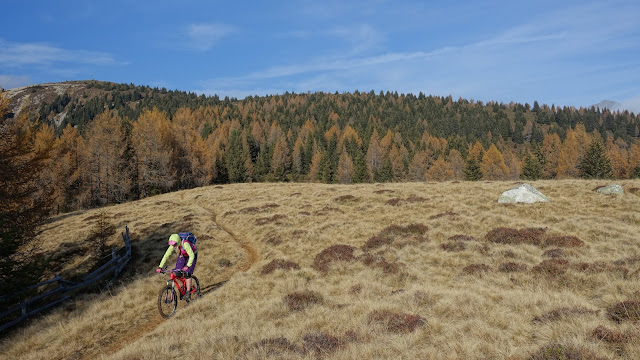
556	52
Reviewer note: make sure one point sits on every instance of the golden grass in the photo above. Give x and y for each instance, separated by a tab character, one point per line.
380	290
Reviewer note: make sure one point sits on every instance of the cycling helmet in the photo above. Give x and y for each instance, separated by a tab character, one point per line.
174	239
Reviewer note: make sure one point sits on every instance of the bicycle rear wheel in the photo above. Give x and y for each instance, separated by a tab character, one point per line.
167	302
195	287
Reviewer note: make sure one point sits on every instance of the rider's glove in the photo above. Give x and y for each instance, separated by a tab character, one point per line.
185	268
158	270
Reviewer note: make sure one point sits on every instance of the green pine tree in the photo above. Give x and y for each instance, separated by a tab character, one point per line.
472	170
596	163
531	169
234	158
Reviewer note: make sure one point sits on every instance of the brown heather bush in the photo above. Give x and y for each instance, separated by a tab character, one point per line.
551	267
461	237
298	301
632	260
224	263
628	310
512	267
276	346
345	198
411	199
327	210
320	344
555	253
503	235
395	322
531	236
384	192
474	269
602	333
355	289
563	241
279	264
379	262
634	190
563	312
453	246
563	352
332	254
388	235
447	213
273	219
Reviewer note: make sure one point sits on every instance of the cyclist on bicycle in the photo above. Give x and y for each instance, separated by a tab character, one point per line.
187	259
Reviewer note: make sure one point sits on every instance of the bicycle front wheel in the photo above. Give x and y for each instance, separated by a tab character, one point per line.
167	302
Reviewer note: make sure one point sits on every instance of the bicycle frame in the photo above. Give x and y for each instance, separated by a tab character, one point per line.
178	281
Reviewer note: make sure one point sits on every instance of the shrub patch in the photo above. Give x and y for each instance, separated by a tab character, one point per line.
279	264
396	322
602	333
273	219
476	269
531	236
628	310
447	213
413	233
332	254
298	301
320	343
512	267
562	352
563	312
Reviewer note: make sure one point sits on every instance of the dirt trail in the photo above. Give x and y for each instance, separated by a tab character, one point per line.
155	321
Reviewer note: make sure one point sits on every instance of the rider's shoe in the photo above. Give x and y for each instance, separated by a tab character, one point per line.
187	297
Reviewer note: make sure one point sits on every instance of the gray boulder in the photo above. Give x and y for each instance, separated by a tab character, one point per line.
524	193
611	189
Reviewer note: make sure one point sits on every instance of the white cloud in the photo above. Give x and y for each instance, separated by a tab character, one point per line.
14	81
204	36
22	54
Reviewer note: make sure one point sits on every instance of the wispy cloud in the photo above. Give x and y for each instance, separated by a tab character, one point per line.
24	54
203	36
14	81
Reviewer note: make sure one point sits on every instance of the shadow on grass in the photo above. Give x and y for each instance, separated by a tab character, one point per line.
210	288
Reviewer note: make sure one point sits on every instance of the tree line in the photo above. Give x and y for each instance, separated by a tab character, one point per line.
329	138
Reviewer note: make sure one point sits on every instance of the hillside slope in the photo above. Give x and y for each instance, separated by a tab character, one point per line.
425	270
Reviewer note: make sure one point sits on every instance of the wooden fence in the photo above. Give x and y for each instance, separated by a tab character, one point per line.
119	258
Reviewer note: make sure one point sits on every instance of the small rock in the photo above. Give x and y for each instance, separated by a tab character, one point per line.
611	189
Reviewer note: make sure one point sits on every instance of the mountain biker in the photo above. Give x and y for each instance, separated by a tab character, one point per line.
186	262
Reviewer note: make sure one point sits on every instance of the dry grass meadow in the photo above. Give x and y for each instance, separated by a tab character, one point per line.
411	270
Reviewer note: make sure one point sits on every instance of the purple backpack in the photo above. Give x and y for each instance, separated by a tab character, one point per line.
187	236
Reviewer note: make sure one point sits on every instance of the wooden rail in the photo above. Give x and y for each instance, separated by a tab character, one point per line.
113	266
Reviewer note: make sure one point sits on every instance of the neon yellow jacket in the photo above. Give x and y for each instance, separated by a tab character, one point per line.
185	250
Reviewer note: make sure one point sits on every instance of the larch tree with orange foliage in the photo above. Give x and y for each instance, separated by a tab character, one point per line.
493	166
457	164
440	170
375	156
568	158
106	141
551	148
418	166
25	200
151	138
345	167
71	164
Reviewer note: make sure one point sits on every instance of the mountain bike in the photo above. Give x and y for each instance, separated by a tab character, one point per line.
168	298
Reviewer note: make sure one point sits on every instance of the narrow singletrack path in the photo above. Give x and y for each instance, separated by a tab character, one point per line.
252	257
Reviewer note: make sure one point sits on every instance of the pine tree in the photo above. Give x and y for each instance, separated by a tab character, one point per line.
472	170
596	163
234	158
531	169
